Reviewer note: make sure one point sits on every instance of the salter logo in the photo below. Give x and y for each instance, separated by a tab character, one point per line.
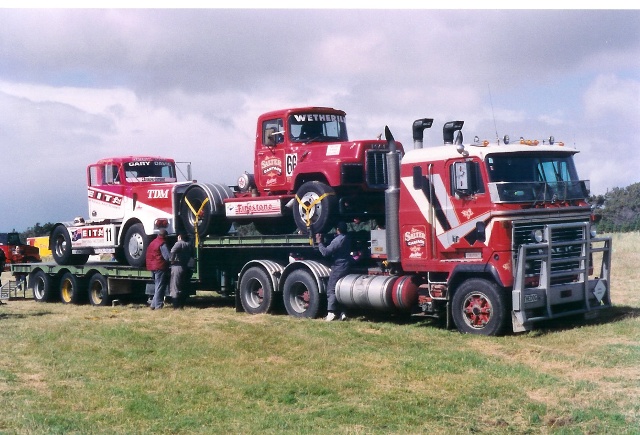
272	165
416	240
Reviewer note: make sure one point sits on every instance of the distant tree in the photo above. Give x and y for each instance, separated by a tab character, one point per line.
37	230
618	210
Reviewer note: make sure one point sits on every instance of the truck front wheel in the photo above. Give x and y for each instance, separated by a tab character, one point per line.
478	307
135	245
61	245
316	207
256	291
301	295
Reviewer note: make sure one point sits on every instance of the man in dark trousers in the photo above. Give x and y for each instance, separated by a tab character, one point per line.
181	254
158	263
340	251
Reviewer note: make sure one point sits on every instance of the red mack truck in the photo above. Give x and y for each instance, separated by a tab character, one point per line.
483	235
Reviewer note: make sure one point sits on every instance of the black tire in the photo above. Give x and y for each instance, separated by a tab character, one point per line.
135	245
41	285
275	226
98	291
322	215
256	291
119	256
208	223
71	289
478	307
301	296
60	244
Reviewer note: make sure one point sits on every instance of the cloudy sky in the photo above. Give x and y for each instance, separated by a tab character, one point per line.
79	85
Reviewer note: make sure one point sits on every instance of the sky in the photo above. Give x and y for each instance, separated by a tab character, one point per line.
77	85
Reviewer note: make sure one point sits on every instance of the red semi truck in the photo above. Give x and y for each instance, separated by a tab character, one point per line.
484	235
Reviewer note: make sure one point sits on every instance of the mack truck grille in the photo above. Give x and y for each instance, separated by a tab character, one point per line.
562	250
376	169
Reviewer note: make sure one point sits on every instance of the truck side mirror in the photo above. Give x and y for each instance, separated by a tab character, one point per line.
417	178
464	177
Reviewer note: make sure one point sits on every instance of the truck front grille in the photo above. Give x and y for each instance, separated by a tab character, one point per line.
562	250
376	164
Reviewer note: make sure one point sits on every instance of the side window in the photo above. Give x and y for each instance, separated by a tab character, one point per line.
94	176
466	178
272	132
111	174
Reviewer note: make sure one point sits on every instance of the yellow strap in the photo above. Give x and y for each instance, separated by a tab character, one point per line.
196	215
307	211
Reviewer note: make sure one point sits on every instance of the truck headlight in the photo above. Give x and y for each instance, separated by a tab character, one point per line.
537	235
593	231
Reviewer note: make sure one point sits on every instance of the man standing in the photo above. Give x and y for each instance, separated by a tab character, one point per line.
181	254
158	263
340	251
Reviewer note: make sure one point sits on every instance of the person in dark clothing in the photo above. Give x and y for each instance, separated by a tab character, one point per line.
340	252
180	256
158	263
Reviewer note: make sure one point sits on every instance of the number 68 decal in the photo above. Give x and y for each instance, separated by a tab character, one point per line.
292	161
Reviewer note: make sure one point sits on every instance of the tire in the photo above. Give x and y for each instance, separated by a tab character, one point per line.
322	215
301	295
98	291
60	243
135	245
256	291
275	226
71	289
120	257
208	223
41	285
478	307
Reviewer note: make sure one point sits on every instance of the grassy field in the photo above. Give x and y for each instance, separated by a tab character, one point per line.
207	369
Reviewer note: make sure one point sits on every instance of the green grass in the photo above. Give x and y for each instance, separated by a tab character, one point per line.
207	369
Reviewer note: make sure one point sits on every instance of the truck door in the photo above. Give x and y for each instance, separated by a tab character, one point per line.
272	164
105	191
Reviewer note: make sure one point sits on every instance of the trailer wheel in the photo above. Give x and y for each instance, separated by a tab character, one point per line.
98	290
301	295
71	289
61	245
135	244
42	286
321	212
478	307
256	291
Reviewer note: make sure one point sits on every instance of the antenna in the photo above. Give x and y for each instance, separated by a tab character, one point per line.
493	114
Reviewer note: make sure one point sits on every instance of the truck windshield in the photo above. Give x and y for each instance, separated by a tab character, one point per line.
533	177
150	170
317	127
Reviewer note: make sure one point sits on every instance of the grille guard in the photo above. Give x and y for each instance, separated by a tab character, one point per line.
560	291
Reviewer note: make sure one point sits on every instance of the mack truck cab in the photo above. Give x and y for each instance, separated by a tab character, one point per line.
307	174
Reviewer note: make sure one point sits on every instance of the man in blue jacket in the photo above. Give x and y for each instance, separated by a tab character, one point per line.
340	252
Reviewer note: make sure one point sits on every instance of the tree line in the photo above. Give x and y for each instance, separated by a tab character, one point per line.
618	210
